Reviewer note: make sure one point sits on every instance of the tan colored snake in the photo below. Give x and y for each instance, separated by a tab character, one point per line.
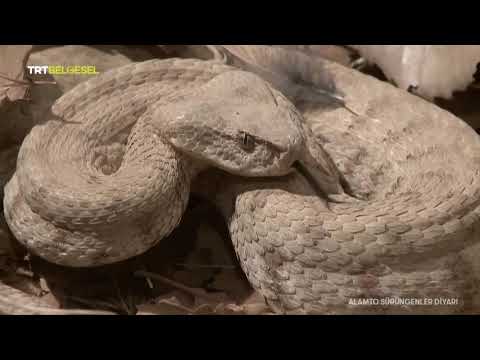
81	197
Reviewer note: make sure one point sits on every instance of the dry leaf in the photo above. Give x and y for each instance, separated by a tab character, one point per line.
433	70
13	59
253	305
24	284
164	307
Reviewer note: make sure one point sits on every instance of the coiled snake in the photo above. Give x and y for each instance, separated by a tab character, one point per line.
109	175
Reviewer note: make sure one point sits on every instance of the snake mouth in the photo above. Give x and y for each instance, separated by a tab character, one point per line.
319	169
321	187
318	180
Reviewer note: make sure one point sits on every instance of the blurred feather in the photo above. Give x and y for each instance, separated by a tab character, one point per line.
295	74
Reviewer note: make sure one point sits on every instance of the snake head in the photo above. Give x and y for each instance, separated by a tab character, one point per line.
236	122
239	123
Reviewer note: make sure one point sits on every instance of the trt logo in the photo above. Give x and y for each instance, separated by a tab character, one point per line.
38	70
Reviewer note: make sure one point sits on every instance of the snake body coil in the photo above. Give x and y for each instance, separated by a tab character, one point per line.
81	197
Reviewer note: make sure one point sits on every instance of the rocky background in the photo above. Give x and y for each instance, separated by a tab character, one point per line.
194	271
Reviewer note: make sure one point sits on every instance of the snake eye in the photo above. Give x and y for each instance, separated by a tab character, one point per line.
248	141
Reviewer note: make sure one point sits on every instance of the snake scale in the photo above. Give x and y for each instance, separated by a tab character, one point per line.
110	173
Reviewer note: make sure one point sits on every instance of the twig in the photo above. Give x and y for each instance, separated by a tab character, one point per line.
128	307
351	110
15	81
176	285
359	63
26	82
